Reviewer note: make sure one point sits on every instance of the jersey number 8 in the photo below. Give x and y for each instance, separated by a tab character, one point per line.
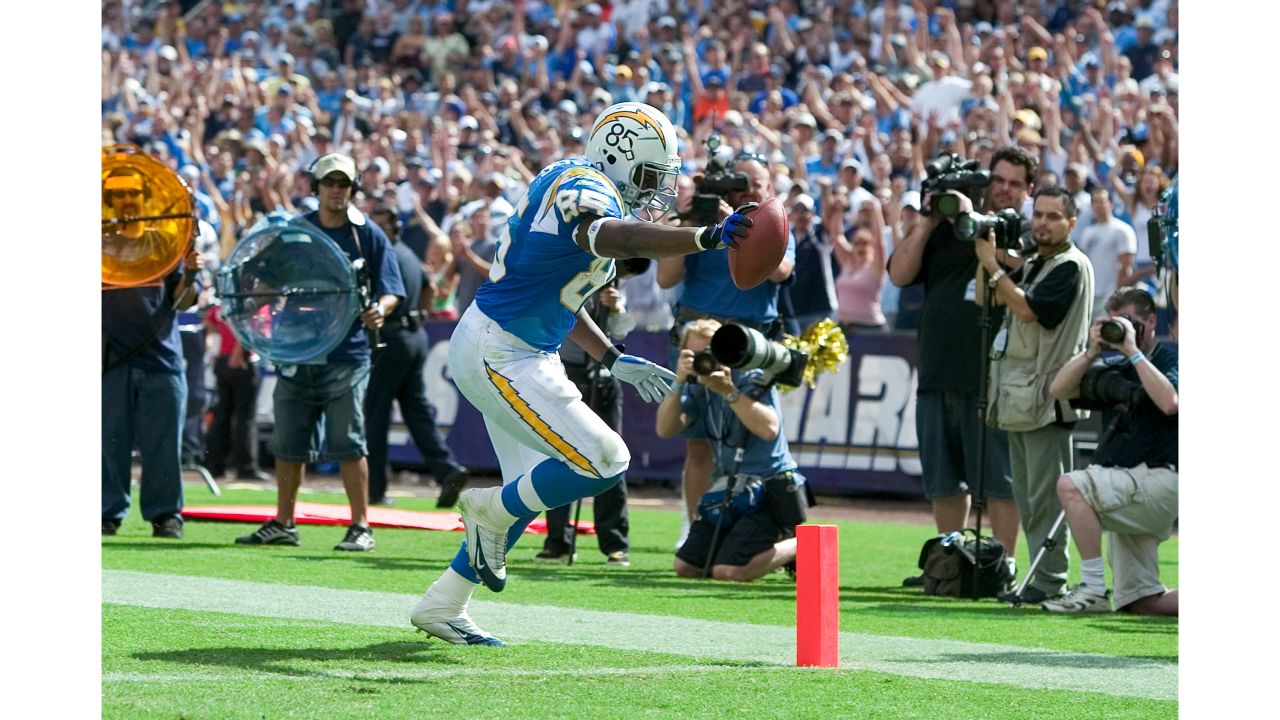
576	291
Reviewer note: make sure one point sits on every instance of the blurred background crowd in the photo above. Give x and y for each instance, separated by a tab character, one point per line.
451	107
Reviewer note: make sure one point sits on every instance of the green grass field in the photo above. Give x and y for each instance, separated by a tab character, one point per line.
200	628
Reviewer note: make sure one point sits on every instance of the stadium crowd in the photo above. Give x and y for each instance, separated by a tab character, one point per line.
451	107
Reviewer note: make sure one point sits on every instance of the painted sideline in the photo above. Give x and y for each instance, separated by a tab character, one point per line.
705	639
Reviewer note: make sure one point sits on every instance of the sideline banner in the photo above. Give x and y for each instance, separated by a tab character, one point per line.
854	433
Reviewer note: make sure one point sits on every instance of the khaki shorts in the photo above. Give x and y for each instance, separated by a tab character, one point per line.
1137	506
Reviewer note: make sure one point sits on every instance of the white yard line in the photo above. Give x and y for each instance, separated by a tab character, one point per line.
238	674
704	639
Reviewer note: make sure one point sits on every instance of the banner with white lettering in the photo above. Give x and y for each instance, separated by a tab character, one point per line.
854	433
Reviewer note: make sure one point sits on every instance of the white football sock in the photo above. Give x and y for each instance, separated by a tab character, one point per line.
1092	574
447	597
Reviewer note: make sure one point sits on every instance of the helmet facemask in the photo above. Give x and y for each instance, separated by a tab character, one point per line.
652	191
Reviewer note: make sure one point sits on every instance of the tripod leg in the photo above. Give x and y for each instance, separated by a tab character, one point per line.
1050	542
573	539
711	551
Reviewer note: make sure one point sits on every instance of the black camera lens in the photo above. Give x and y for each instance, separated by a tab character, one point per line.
1112	332
704	363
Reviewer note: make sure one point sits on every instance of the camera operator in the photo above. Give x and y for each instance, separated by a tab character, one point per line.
950	360
709	292
1131	488
756	533
1050	303
603	393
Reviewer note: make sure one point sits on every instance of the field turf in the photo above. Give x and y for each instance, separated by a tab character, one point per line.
200	628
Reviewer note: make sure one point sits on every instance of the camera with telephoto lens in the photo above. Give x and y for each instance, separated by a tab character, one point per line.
1007	225
1105	385
717	182
1112	332
743	348
704	363
951	172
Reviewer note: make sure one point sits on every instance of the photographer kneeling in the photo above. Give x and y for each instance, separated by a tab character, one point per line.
1131	489
754	533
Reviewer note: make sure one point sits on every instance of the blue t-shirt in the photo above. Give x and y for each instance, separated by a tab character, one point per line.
540	277
709	288
710	418
374	247
142	317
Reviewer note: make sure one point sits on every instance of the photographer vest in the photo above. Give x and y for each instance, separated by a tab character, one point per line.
1019	398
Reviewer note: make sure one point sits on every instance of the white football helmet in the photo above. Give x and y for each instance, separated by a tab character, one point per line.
634	145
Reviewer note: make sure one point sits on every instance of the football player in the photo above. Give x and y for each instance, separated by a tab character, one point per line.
576	218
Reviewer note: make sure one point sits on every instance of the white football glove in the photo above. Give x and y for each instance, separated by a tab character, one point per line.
653	382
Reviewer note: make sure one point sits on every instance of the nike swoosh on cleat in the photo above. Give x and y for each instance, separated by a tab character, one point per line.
472	638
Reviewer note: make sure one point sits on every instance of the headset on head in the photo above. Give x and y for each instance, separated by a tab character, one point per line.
315	181
146	186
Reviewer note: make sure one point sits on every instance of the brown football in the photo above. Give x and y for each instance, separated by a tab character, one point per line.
761	251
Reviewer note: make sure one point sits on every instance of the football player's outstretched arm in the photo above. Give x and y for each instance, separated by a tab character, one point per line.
611	237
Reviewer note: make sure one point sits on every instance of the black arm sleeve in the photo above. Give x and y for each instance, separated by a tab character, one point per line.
1051	299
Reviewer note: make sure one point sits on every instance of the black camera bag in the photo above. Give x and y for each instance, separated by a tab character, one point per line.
787	499
948	567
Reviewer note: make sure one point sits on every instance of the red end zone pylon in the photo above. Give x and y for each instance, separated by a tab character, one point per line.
817	596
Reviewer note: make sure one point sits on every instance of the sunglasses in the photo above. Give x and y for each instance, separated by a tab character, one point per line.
331	182
128	193
758	157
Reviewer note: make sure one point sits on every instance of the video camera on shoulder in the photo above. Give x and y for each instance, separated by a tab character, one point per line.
717	182
743	348
1162	229
952	172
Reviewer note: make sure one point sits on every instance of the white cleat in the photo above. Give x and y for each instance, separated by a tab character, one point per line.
486	535
460	630
449	623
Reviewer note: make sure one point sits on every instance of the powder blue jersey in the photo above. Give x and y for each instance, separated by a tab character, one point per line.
540	277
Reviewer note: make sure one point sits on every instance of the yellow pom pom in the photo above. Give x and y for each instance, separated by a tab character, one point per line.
825	344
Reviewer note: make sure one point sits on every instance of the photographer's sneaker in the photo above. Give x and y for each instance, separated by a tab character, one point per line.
617	558
450	486
1081	599
271	533
486	523
167	526
359	539
553	556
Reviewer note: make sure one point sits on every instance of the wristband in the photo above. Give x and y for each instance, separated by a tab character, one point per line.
610	357
697	237
592	231
1137	358
991	282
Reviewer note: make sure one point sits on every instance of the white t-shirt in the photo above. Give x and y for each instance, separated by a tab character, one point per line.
1104	243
